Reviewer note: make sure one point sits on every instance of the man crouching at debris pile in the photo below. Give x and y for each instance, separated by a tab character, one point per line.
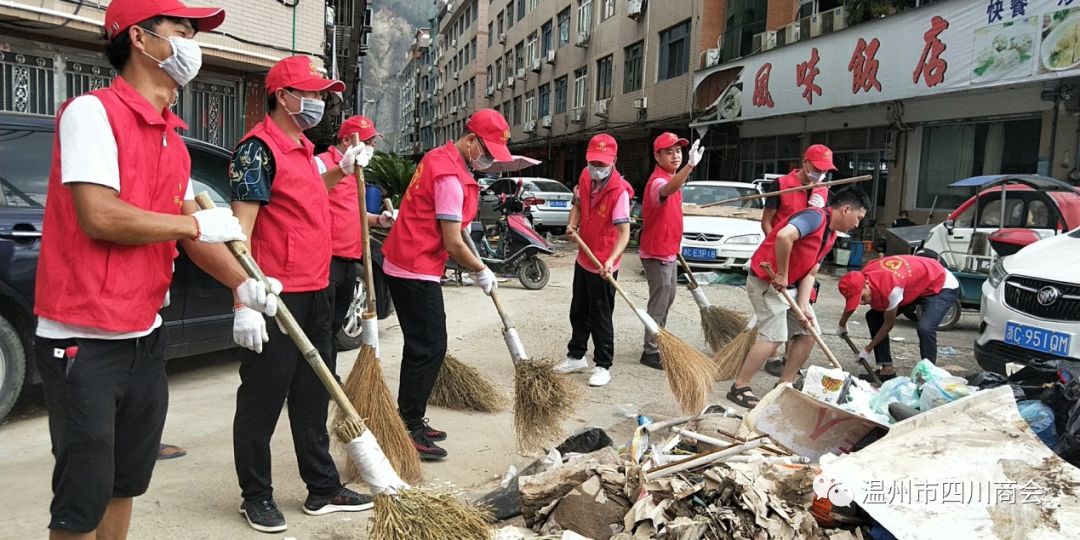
794	250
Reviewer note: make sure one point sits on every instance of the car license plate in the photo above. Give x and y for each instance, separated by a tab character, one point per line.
1037	339
700	254
557	204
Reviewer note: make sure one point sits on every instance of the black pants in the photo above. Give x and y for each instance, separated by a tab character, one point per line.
590	315
340	292
422	317
107	406
935	307
267	381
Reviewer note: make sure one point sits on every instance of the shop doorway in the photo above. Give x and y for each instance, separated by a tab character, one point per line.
866	162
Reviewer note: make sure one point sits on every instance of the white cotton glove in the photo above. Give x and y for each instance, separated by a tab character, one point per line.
386	219
217	225
349	159
249	329
364	157
841	330
485	279
693	157
817	201
253	294
864	355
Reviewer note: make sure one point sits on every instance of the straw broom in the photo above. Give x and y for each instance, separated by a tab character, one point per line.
543	399
729	360
462	387
689	373
398	506
365	386
719	325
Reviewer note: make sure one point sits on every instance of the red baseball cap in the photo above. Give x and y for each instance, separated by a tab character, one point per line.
820	156
602	148
667	140
123	14
360	125
491	127
851	286
301	73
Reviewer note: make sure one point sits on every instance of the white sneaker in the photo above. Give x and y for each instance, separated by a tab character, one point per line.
600	377
571	365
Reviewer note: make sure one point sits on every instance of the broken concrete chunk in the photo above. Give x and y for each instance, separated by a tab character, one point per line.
539	490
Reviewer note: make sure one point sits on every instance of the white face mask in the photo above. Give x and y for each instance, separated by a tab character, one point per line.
599	173
368	151
185	61
481	162
310	113
816	176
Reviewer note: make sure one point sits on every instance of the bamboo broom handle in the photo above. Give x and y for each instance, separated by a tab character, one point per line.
513	341
693	284
845	181
645	319
802	320
285	317
365	233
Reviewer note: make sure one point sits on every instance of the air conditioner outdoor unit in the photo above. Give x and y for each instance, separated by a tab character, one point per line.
641	103
602	108
499	86
530	127
827	22
453	110
502	38
457	74
546	121
536	65
489	92
582	39
763	41
510	82
550	56
712	57
786	35
635	9
578	116
453	43
521	73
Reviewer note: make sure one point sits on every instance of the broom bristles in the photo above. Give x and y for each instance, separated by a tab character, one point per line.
462	387
720	326
543	399
689	373
729	360
369	395
429	514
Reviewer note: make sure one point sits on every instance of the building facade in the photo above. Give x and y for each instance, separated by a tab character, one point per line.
52	51
411	79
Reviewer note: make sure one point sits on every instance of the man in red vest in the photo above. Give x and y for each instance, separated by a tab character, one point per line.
438	206
816	164
119	198
887	285
282	202
601	218
661	234
346	244
794	249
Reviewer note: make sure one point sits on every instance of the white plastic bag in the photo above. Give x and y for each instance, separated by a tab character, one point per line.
937	392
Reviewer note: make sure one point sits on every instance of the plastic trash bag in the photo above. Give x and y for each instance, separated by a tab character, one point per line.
1068	445
898	390
585	441
942	390
925	371
858	398
1041	420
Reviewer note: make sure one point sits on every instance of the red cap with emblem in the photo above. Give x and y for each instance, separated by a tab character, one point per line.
301	73
360	125
491	127
851	286
667	140
123	14
602	148
820	157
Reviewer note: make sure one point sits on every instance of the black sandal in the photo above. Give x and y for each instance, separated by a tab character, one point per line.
743	397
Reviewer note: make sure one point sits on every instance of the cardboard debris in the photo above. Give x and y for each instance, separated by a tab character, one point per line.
587	510
539	491
807	426
966	469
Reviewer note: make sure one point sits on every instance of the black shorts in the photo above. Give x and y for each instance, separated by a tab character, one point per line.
107	408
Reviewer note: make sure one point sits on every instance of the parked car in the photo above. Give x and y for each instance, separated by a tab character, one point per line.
720	243
1031	305
550	215
199	316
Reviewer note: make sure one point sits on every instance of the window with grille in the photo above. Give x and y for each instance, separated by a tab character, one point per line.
545	99
603	78
581	87
632	67
564	27
560	95
674	51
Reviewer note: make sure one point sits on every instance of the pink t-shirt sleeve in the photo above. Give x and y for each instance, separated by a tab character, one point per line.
449	198
654	190
621	213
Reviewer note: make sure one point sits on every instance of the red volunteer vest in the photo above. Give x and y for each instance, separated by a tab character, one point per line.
95	283
415	241
662	231
796	201
918	276
595	227
806	252
291	238
345	238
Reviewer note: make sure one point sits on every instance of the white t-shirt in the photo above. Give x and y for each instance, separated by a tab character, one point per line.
89	154
897	294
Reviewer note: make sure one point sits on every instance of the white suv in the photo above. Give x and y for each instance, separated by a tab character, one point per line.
1031	305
